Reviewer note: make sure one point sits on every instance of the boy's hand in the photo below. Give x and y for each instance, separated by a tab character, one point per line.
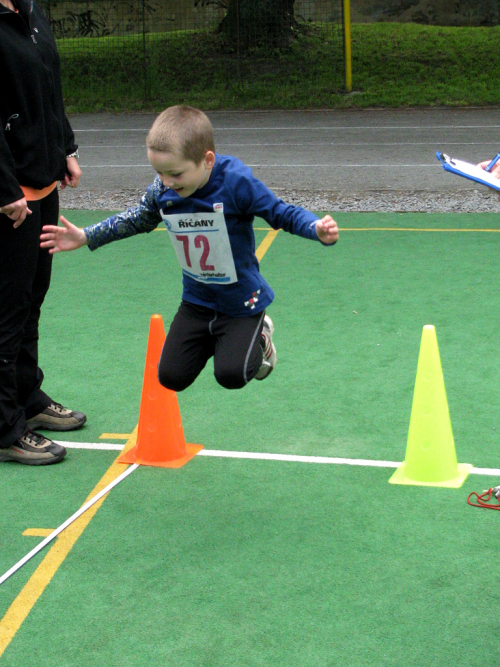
68	237
327	230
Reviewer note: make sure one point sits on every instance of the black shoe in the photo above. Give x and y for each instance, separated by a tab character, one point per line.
57	418
33	449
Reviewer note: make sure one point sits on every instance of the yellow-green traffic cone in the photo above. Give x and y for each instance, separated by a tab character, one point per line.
430	452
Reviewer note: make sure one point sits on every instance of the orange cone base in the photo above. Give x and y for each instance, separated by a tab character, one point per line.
131	457
463	470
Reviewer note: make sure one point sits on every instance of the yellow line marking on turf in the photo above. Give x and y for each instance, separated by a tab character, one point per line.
260	229
261	251
38	532
410	229
264	246
400	229
115	436
382	229
25	601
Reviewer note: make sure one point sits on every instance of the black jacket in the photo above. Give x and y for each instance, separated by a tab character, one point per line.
35	135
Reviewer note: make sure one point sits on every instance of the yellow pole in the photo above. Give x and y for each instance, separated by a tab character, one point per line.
347	45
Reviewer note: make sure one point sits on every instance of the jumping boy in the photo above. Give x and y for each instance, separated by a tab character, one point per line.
208	203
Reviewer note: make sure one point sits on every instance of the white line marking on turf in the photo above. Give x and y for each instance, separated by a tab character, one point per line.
298	459
274	166
69	521
314	143
485	471
221	453
91	445
320	128
334	165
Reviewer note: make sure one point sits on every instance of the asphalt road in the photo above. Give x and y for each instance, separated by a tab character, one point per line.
320	151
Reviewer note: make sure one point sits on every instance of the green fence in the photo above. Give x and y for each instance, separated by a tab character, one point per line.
147	50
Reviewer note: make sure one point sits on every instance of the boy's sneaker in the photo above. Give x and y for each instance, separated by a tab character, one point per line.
57	418
33	449
269	351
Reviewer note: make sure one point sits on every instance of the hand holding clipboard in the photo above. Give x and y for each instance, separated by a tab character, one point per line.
486	173
493	167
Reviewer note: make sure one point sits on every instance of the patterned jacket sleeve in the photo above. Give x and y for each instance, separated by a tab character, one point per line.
141	219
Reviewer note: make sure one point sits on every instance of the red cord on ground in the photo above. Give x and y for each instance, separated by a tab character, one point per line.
484	498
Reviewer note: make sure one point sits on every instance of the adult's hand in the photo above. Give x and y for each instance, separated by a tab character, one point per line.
496	168
73	174
17	211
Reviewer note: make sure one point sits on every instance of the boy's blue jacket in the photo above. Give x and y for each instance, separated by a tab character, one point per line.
212	234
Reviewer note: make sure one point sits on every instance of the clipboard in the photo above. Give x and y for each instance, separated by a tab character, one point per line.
468	170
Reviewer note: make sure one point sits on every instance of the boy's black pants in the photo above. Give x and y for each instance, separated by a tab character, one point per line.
25	270
198	333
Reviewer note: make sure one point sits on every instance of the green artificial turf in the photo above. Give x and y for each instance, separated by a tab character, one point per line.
254	563
348	328
245	563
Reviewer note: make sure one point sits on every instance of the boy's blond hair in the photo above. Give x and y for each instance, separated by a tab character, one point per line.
184	130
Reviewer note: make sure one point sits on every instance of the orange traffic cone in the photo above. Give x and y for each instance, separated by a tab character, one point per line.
160	437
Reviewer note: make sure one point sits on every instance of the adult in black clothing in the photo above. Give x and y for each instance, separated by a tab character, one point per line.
37	149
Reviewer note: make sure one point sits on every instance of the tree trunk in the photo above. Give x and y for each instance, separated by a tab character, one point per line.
254	23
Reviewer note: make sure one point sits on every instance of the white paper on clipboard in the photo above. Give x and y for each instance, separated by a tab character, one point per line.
467	170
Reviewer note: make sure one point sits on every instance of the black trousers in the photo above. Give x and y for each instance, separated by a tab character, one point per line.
25	270
198	333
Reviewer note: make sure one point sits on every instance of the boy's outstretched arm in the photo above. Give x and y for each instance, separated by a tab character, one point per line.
67	237
327	230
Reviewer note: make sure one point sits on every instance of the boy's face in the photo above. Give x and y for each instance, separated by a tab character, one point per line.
179	174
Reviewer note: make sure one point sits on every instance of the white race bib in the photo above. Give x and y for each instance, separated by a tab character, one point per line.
202	246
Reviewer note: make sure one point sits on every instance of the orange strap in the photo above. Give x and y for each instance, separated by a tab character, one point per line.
34	195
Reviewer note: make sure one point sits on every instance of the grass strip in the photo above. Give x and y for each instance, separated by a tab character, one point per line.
394	64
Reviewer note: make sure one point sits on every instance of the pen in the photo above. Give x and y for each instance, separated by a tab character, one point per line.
493	162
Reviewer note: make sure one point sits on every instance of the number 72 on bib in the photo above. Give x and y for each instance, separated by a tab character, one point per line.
201	243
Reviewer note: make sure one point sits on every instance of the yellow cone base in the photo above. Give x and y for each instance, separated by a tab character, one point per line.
131	457
463	470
